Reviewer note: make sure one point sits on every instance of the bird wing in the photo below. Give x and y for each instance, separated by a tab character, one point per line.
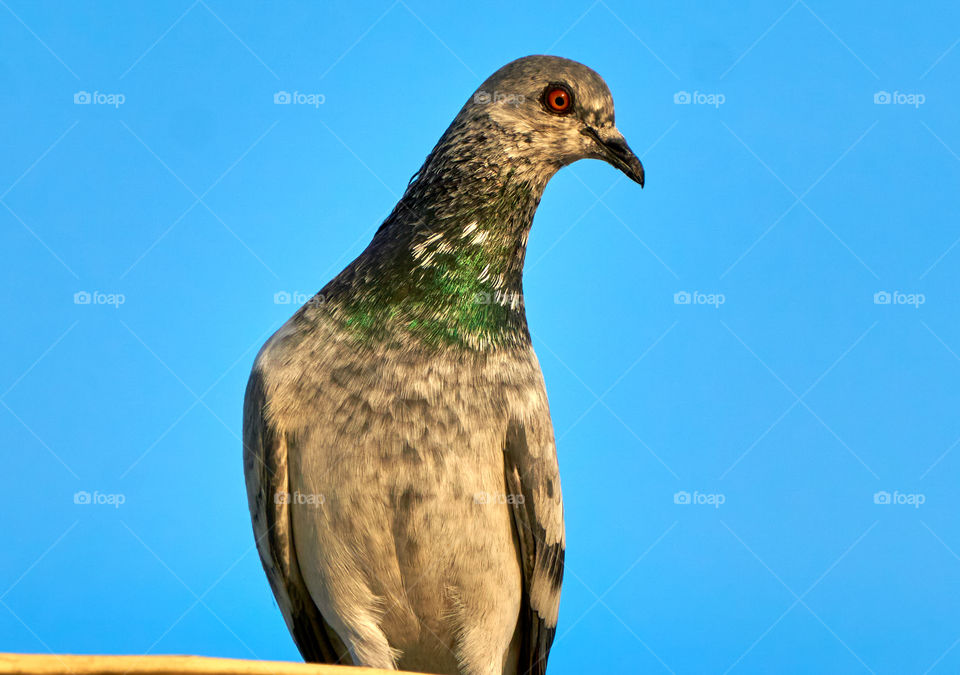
530	466
265	467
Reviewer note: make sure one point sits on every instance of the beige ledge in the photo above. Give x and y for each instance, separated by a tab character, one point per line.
55	664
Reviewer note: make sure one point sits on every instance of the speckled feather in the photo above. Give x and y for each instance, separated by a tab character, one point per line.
407	389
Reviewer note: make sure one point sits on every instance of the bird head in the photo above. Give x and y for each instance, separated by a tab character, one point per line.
552	111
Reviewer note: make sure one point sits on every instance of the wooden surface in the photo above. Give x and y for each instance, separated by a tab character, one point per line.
50	664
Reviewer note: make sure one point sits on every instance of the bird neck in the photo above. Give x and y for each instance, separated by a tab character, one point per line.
446	267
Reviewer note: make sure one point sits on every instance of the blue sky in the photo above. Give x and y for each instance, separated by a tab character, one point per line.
802	168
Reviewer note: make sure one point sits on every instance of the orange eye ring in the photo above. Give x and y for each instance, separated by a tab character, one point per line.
558	99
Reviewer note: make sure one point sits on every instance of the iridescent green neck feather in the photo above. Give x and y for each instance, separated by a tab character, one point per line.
443	278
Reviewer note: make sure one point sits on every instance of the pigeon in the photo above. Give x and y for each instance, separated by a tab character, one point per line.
399	454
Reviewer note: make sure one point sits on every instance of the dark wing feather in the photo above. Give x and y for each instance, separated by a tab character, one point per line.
265	467
538	518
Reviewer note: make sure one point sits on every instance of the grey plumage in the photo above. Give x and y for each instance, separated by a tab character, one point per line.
398	450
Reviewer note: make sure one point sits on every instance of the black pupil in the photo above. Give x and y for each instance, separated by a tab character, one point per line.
559	100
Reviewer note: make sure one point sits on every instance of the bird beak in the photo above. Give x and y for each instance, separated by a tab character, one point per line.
615	150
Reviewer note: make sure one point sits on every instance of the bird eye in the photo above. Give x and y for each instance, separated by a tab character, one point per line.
558	99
